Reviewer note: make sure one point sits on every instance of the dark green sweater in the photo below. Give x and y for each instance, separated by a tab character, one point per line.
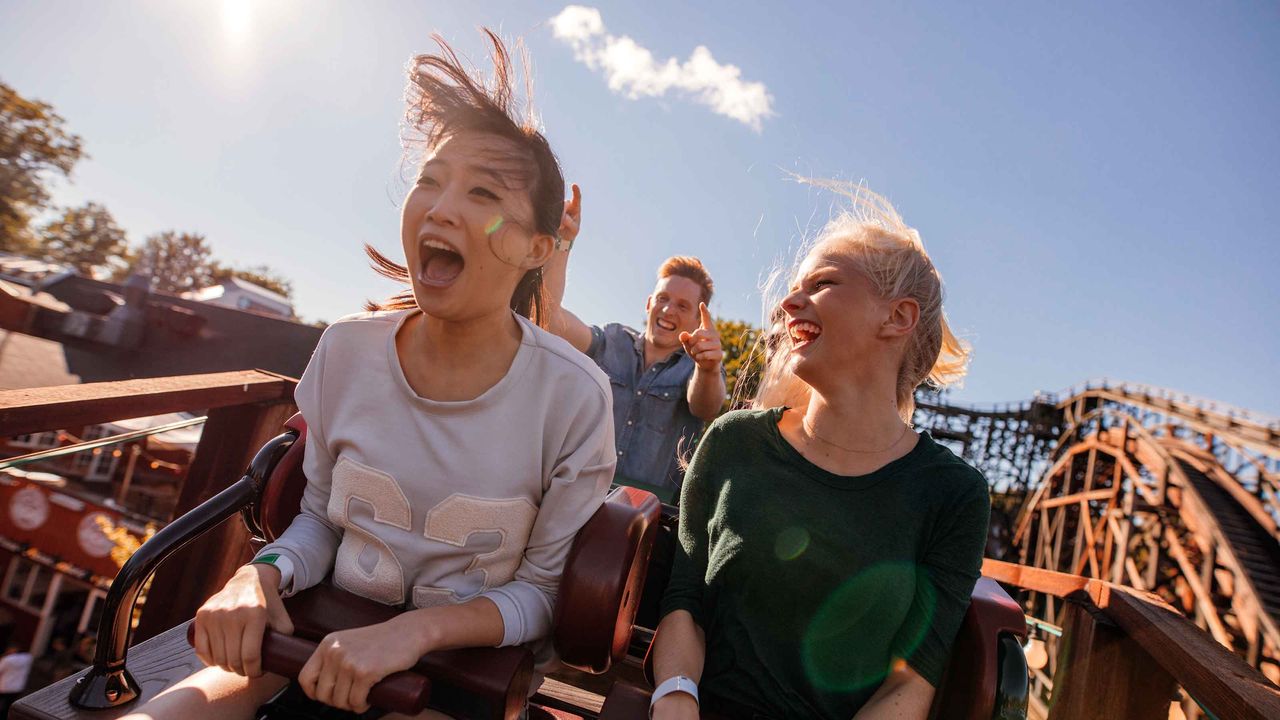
810	584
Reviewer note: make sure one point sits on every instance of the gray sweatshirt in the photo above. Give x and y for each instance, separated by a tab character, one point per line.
414	501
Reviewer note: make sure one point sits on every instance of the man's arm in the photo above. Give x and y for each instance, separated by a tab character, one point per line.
706	387
706	393
556	272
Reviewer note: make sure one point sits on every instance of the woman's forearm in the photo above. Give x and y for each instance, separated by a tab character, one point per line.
475	623
560	321
679	648
904	695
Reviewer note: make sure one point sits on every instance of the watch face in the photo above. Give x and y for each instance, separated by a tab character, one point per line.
29	508
92	539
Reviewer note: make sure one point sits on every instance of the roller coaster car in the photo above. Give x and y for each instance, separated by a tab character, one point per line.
603	588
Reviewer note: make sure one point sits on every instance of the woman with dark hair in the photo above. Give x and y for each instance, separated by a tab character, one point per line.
454	447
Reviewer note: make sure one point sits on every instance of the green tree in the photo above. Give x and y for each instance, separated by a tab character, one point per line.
34	146
86	238
177	262
259	275
743	360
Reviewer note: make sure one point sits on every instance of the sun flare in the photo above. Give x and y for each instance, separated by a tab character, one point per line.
237	21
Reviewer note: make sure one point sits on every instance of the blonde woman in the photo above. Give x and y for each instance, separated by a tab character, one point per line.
827	551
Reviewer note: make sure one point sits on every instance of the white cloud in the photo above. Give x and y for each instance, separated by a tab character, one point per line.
631	69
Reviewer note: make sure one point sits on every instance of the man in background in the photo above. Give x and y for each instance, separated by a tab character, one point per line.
667	379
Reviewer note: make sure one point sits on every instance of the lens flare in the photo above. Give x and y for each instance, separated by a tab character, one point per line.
873	618
791	543
494	225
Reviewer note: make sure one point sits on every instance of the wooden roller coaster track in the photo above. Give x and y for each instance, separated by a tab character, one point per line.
1167	494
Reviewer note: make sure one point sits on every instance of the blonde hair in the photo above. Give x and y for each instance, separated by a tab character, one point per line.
873	237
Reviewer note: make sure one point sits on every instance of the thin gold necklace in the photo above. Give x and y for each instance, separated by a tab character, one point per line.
804	422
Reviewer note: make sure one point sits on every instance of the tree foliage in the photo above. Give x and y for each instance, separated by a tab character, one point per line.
743	360
34	147
259	275
87	238
176	261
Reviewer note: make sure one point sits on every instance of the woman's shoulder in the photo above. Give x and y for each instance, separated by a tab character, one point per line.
746	423
950	471
349	338
363	324
560	359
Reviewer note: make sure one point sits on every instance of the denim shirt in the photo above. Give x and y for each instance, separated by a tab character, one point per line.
651	418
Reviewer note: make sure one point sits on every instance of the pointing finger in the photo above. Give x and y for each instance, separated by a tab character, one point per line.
707	323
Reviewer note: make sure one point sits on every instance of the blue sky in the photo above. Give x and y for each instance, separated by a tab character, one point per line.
1095	181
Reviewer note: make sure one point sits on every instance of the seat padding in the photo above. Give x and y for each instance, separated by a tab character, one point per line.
603	580
968	690
282	496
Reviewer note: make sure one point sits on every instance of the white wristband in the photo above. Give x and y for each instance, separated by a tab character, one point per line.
281	563
679	683
285	566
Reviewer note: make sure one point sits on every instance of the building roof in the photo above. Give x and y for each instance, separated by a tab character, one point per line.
28	362
267	297
31	273
180	337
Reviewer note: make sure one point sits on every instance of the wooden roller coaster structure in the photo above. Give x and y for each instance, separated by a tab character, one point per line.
1143	487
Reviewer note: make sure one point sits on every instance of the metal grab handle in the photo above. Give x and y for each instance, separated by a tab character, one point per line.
108	683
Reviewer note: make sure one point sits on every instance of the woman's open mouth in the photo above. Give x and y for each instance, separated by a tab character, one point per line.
803	332
441	263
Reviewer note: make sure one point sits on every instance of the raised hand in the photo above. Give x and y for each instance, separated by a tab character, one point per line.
703	344
571	221
229	626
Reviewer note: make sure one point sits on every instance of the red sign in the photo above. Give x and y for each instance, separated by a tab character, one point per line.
66	527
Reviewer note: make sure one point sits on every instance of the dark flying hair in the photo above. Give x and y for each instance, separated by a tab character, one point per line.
443	97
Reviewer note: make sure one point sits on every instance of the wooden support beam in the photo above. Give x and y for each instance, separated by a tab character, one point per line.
1058	532
1153	556
1203	598
1091	549
34	410
1103	673
231	437
1121	560
1033	578
1102	494
1215	676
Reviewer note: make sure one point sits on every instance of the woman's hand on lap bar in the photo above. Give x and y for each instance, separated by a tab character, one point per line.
348	663
230	625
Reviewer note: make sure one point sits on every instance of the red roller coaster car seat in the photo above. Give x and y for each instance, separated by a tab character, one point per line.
282	496
973	685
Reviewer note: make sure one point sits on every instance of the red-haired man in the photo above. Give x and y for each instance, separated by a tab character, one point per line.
667	380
